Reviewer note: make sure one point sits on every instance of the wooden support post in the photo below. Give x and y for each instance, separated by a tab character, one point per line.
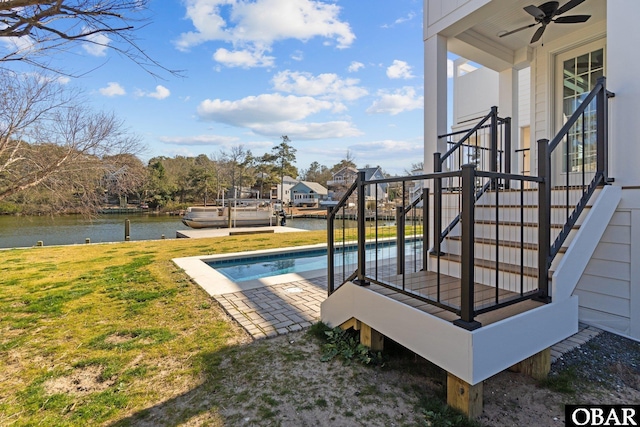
536	366
351	323
371	338
463	396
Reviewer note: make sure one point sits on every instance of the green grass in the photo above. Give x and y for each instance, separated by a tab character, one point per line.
123	312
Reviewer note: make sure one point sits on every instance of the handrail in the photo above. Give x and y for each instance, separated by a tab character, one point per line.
468	134
547	250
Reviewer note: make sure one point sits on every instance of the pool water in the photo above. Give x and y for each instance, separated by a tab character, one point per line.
257	267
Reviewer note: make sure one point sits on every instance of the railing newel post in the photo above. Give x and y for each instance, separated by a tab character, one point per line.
601	130
330	251
507	150
362	242
437	205
425	228
400	222
544	219
467	279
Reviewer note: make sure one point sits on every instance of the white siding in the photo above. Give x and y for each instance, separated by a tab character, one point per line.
608	289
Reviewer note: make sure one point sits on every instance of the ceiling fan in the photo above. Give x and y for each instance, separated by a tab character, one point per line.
547	13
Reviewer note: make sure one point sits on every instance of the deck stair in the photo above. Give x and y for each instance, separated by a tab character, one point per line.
482	277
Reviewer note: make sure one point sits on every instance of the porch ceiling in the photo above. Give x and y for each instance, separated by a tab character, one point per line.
476	36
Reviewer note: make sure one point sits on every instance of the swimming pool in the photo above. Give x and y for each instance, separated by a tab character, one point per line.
256	267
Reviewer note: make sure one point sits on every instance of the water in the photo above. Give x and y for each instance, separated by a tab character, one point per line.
256	267
16	232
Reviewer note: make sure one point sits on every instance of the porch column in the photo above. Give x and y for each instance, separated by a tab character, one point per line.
435	97
622	79
508	107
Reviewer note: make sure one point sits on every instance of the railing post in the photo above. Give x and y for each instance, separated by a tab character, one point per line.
601	130
362	245
425	228
330	251
400	239
437	205
493	134
467	279
544	219
507	150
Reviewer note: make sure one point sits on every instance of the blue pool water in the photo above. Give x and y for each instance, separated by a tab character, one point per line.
257	267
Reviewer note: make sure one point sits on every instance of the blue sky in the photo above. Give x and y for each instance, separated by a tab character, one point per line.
332	75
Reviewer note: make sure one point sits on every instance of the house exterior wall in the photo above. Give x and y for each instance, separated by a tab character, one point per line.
543	106
474	93
609	288
440	14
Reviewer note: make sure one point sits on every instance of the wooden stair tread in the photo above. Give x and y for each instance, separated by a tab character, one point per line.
507	243
502	266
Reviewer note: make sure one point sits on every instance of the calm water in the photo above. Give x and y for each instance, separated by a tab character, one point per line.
27	231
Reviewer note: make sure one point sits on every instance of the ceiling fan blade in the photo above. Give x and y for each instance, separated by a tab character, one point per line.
535	12
568	6
573	19
518	29
538	34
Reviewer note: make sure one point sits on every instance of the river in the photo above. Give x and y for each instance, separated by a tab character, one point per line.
24	231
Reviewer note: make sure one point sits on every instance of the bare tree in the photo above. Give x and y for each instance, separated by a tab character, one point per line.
50	141
34	29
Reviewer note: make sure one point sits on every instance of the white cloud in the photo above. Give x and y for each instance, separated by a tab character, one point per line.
113	89
401	100
97	44
327	85
298	55
355	66
388	147
246	58
399	70
401	20
309	131
275	115
261	109
449	68
161	92
199	140
256	25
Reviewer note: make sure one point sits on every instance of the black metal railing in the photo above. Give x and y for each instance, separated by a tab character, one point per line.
489	141
394	251
575	161
487	257
486	145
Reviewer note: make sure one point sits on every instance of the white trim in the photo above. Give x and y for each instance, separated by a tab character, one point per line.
575	260
634	297
472	356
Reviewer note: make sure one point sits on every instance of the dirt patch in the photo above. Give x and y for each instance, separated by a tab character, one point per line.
80	382
116	339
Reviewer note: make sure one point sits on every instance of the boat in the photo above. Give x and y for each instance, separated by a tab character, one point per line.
226	217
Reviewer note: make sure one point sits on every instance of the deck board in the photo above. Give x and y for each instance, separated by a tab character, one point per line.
424	284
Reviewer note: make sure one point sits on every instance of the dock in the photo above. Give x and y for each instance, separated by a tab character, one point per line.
221	232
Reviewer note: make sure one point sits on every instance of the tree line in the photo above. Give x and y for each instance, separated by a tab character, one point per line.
57	155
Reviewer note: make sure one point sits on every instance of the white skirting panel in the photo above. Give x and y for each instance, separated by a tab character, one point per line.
472	356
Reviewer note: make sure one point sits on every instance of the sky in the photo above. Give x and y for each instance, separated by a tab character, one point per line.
334	76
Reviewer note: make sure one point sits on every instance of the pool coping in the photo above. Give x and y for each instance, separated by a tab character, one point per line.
215	283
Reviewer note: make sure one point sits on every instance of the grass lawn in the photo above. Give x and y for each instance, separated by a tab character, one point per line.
117	335
93	334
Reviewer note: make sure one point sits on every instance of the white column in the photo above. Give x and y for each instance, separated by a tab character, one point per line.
508	107
435	98
623	34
